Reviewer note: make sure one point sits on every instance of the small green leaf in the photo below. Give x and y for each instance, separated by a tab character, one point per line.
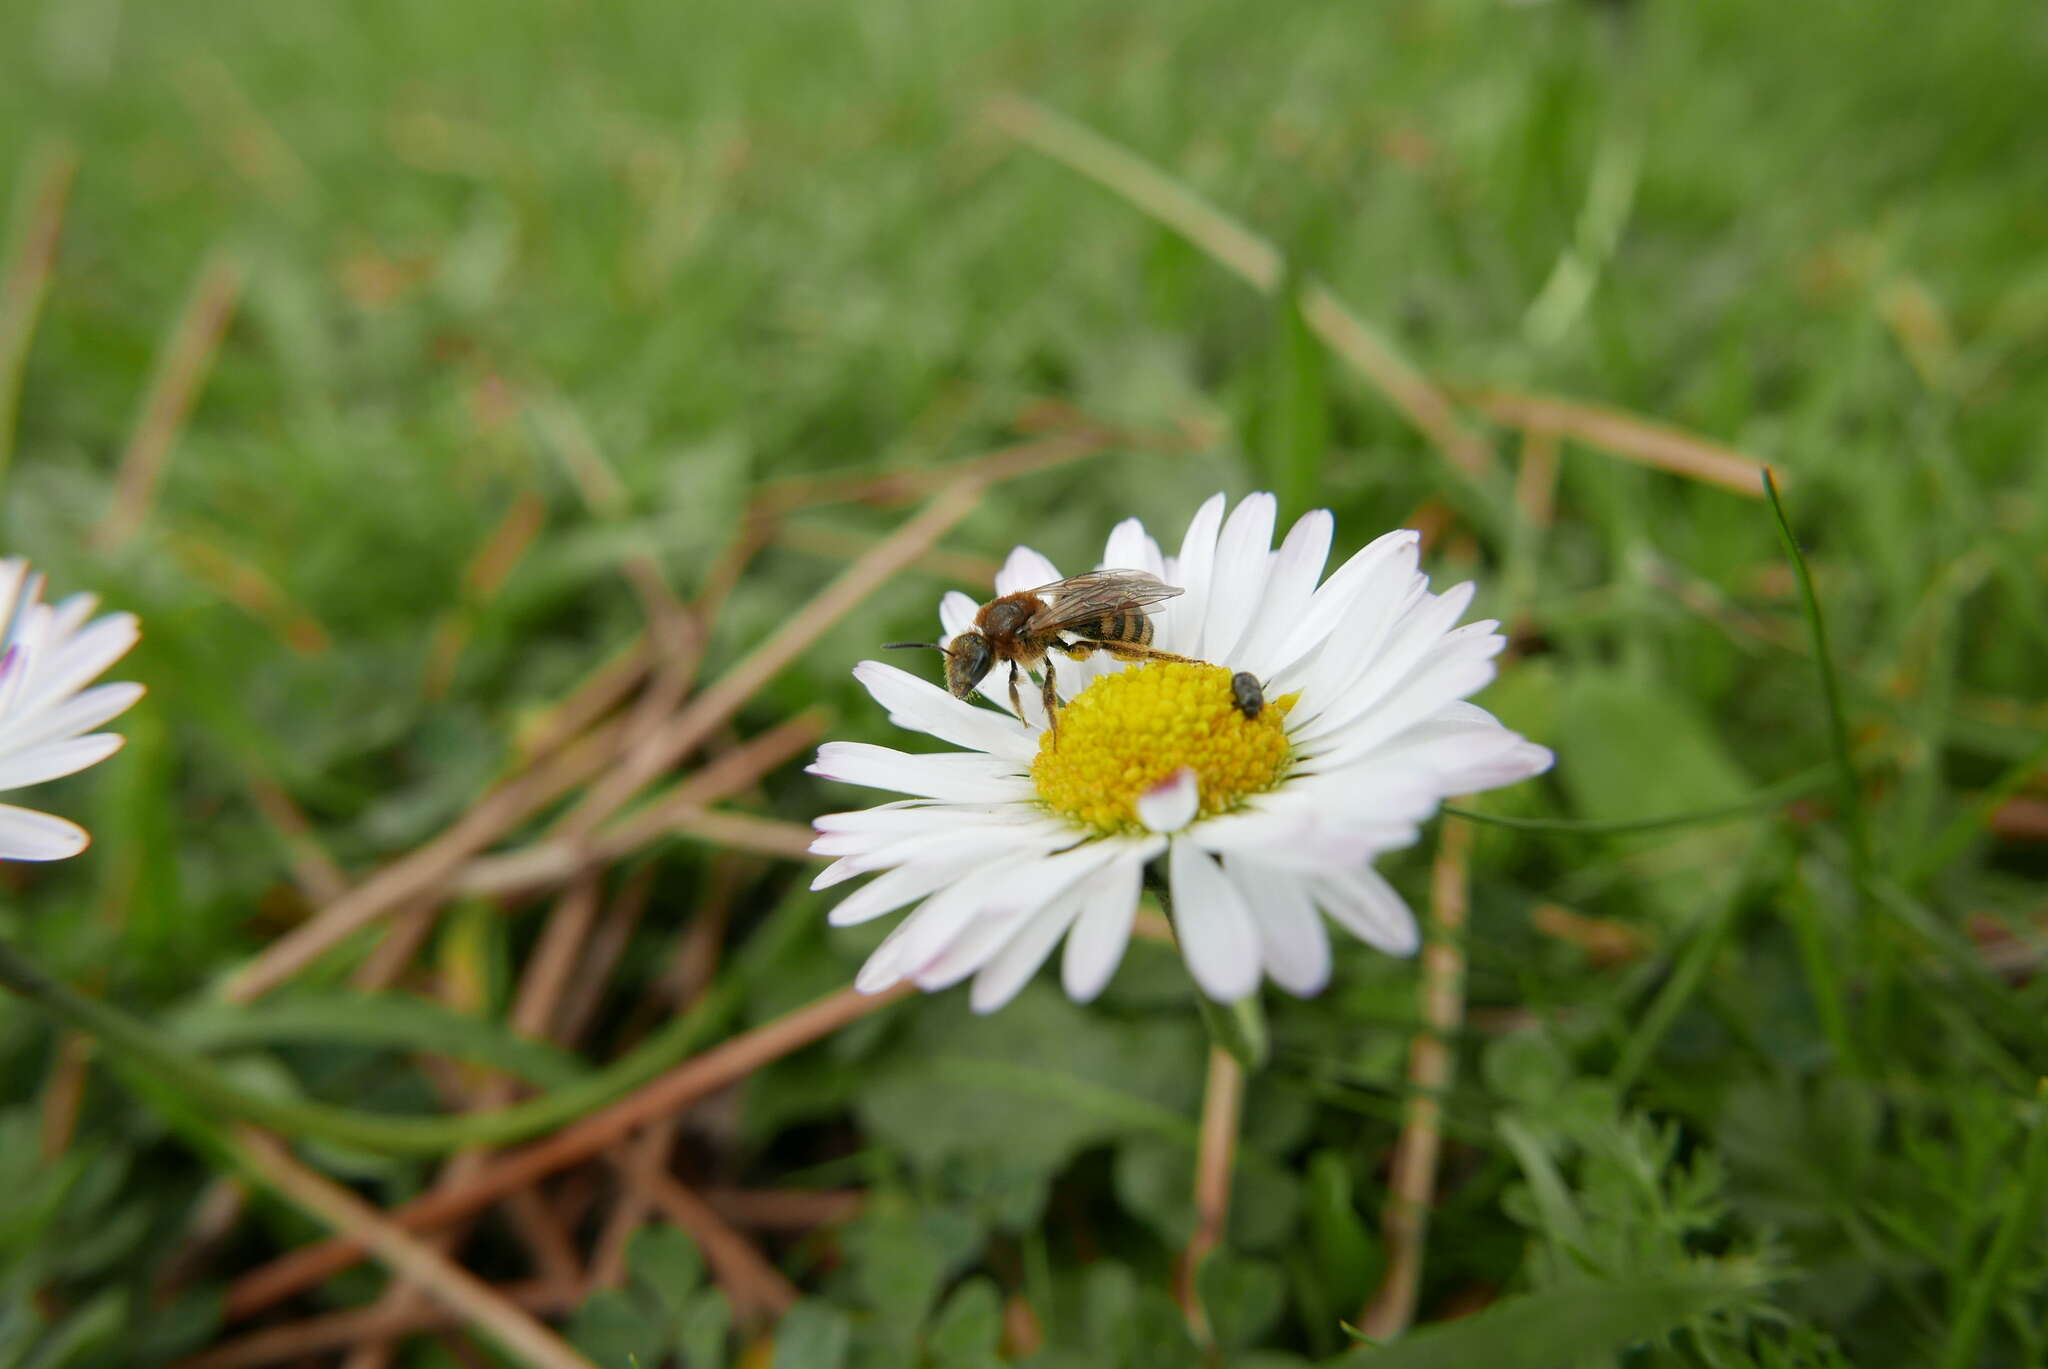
1525	1067
1109	1296
969	1328
703	1330
666	1261
1565	1325
1347	1257
1243	1297
813	1335
1154	1182
897	1268
613	1329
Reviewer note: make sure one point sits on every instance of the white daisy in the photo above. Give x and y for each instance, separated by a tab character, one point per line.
50	654
1264	824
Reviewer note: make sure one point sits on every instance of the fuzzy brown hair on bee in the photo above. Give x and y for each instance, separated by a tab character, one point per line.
1104	610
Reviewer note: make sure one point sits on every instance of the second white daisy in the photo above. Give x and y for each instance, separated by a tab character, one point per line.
48	655
1267	819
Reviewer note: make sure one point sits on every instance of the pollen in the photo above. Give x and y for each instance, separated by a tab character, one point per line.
1128	732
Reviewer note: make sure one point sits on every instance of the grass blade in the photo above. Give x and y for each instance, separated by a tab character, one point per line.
1961	1351
1853	820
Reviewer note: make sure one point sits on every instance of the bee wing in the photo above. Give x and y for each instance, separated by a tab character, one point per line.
1089	596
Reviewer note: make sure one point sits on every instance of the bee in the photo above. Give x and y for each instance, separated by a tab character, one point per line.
1104	610
1247	695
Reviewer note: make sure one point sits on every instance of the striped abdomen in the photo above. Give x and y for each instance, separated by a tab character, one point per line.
1126	625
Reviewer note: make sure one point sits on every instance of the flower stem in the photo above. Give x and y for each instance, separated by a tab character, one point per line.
1215	1163
1412	1186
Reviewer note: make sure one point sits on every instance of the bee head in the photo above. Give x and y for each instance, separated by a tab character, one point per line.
968	661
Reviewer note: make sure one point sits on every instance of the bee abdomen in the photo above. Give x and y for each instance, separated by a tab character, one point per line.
1126	625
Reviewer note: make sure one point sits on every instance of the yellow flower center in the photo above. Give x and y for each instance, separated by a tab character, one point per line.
1128	732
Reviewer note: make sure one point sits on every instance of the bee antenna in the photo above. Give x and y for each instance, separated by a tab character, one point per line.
901	646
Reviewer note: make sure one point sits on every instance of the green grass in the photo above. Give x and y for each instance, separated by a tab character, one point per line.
744	244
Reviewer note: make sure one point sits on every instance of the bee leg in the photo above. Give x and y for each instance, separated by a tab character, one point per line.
1132	651
1080	650
1051	699
1016	700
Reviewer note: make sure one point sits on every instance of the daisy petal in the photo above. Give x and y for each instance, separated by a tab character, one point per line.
1377	644
892	889
1290	582
13	576
971	844
974	947
987	935
1215	927
1464	756
1018	895
1308	843
1364	904
919	706
51	759
1292	941
963	777
956	613
70	613
1451	677
938	822
28	835
1238	580
1171	804
1025	569
15	667
1177	623
1103	927
1131	548
1378	572
101	703
1354	796
886	964
1011	968
887	822
81	658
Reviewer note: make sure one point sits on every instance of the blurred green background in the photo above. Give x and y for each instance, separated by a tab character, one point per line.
1725	1084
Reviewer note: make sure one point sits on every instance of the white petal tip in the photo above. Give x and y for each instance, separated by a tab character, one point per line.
869	981
1171	804
1401	942
28	835
1307	988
